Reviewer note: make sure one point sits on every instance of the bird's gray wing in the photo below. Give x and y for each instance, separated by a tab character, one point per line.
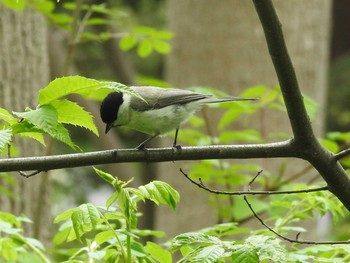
156	98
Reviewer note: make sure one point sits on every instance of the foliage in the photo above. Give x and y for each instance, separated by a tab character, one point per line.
14	247
54	110
89	233
113	229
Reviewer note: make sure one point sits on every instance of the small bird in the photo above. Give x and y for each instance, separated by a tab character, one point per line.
161	110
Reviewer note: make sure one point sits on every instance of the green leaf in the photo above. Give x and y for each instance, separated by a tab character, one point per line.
330	145
81	118
7	117
245	254
248	136
188	239
84	219
161	47
64	86
104	236
8	249
145	48
65	215
160	193
127	42
105	176
46	119
207	254
158	253
5	138
17	5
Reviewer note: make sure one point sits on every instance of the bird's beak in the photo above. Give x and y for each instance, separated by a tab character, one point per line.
108	127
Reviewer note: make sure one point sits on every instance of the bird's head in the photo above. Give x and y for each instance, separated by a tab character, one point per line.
109	109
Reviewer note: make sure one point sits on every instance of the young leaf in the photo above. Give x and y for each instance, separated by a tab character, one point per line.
161	47
105	176
84	219
127	42
158	253
160	193
209	254
5	138
64	216
46	119
80	117
245	253
145	48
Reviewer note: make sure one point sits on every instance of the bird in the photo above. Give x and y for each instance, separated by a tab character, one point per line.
160	110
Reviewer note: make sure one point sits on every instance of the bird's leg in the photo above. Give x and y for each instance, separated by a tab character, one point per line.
175	145
142	144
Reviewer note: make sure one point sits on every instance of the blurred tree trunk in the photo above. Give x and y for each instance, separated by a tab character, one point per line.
23	71
221	44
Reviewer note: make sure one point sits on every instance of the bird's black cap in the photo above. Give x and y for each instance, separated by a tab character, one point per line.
109	108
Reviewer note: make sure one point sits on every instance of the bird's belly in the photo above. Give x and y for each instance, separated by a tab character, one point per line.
159	120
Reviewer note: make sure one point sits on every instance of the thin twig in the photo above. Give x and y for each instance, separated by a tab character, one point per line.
248	192
27	175
342	154
296	240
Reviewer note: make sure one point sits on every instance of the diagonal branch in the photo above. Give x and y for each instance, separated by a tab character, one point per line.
309	148
292	96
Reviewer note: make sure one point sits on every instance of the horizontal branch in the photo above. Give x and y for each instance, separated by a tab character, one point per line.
250	151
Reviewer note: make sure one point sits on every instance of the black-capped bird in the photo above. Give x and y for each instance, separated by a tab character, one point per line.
161	110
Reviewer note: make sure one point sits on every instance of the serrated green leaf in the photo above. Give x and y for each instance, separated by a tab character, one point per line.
5	138
33	135
145	48
209	254
64	86
160	193
84	219
191	238
158	253
91	215
245	254
81	118
46	119
127	42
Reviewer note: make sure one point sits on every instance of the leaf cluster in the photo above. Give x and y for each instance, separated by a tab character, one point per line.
55	110
110	233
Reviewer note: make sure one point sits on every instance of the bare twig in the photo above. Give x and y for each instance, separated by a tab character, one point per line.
342	154
292	240
27	175
249	192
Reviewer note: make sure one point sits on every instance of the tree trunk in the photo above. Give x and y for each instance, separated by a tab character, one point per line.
221	44
23	71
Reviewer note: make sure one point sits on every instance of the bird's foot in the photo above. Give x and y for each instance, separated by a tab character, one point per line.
177	147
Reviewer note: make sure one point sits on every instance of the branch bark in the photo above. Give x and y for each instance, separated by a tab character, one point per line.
44	163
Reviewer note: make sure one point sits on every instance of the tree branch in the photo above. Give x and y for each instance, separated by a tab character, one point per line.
45	163
309	148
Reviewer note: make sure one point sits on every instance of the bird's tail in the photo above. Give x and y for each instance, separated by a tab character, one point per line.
226	99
